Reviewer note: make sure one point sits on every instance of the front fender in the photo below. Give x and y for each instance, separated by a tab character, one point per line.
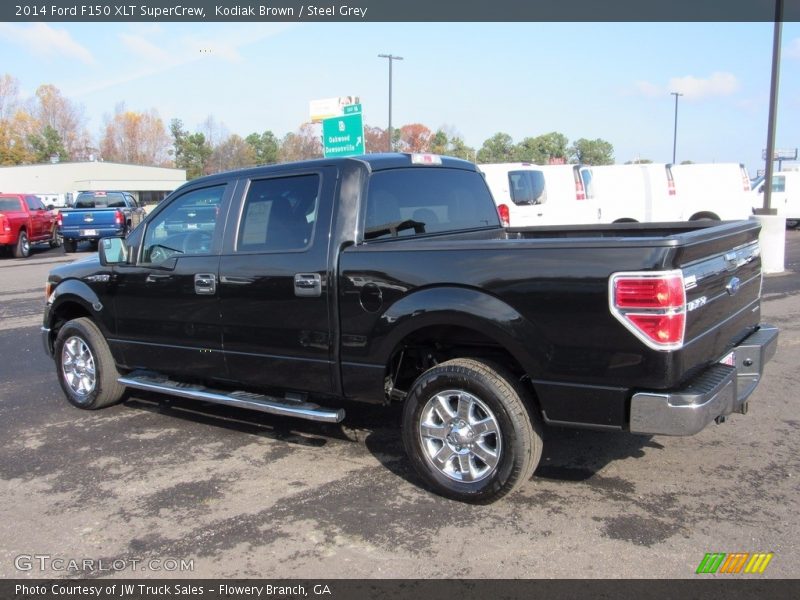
75	292
469	308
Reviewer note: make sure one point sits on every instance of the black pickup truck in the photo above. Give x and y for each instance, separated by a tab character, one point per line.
290	288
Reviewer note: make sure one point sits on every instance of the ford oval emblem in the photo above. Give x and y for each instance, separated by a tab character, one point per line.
733	286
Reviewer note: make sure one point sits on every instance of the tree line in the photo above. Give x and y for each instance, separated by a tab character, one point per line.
50	126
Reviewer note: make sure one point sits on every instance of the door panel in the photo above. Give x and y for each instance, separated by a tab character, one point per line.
167	305
276	330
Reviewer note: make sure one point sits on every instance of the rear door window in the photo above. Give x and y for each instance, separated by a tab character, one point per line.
527	187
779	183
279	214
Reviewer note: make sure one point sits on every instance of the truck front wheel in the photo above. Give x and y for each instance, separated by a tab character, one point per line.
86	370
468	432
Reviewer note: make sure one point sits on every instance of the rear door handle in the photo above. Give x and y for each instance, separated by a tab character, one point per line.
307	285
205	284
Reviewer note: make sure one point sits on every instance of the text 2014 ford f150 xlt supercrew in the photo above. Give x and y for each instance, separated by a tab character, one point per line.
387	278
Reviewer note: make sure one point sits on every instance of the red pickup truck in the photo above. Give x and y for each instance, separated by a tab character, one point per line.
24	220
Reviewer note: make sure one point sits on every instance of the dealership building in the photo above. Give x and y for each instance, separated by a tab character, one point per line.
59	183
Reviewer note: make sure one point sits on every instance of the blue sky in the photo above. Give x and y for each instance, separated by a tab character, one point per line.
589	80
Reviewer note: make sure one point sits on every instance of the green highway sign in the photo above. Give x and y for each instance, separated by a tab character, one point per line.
344	135
350	109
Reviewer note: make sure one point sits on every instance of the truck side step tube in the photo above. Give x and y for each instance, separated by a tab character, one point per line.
151	382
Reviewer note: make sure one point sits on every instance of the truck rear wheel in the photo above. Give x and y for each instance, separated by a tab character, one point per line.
468	432
86	370
23	246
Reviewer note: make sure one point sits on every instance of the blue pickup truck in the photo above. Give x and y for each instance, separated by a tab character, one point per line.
97	215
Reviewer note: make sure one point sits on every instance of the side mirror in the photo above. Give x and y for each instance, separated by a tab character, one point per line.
112	251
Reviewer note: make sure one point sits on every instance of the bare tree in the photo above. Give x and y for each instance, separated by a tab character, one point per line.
304	144
138	138
51	109
233	153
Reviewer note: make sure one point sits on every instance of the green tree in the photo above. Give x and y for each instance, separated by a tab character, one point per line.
592	152
639	161
497	149
266	147
439	144
46	144
192	151
542	149
460	150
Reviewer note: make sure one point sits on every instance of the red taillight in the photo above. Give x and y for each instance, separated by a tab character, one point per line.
505	216
652	305
119	218
670	187
6	224
648	292
60	219
580	192
745	181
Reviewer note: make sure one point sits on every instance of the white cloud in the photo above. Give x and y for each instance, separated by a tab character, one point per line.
43	40
163	54
144	49
692	88
793	49
645	88
695	88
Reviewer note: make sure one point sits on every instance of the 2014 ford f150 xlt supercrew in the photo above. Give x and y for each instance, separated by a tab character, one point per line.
289	288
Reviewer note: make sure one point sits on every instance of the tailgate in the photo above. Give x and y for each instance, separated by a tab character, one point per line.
722	280
88	218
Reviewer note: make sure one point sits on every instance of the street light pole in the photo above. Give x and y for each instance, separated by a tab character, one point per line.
675	131
391	59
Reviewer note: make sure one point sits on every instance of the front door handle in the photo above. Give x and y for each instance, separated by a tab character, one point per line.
205	284
307	285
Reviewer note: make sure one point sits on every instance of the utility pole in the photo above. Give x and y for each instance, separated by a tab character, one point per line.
767	209
675	131
391	59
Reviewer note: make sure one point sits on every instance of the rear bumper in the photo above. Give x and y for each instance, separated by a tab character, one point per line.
79	234
719	391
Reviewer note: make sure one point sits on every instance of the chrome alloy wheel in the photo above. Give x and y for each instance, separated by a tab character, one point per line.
460	436
78	366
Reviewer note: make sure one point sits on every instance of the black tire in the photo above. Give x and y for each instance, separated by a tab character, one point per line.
22	249
792	223
491	399
70	246
55	238
86	370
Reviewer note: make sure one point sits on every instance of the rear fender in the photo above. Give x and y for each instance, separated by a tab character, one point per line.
463	307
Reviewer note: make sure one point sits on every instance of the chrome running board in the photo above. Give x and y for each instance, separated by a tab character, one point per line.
151	382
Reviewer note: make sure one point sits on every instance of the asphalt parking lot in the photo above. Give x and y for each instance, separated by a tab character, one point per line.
239	494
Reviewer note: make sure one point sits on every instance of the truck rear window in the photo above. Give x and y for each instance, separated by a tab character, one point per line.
104	200
9	204
416	201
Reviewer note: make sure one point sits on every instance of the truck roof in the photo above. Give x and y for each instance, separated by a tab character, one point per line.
374	162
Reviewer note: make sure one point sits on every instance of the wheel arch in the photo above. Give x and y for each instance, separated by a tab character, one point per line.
705	215
73	299
442	323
